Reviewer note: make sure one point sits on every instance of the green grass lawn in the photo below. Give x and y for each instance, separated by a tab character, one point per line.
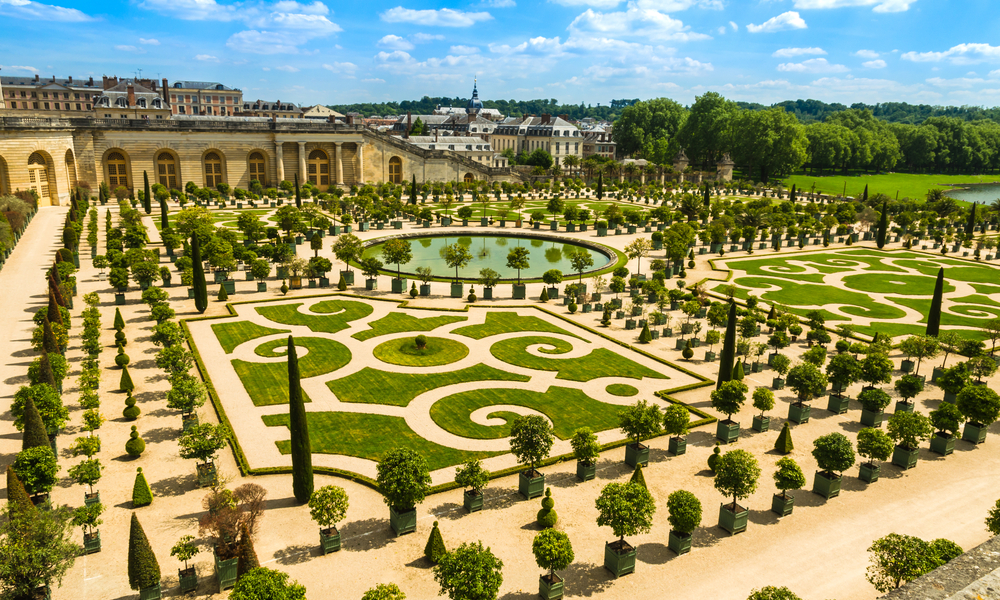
370	437
372	386
404	352
569	409
397	322
599	363
337	314
908	185
267	383
621	389
498	322
232	335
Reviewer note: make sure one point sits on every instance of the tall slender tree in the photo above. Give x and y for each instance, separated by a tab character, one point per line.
298	194
35	433
934	316
864	197
164	222
791	195
413	190
146	200
728	355
883	224
970	225
198	272
600	186
17	497
708	200
302	473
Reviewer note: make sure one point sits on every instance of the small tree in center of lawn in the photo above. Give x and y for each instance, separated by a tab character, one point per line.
736	475
531	439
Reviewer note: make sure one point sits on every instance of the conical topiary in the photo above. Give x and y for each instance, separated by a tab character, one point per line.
35	433
547	516
638	477
135	446
49	343
738	371
119	321
223	295
645	336
53	313
141	494
143	569
784	442
247	560
934	316
715	457
298	425
45	373
435	549
131	411
125	383
342	283
544	297
17	497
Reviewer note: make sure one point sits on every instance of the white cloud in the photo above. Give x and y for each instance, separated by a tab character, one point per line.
783	22
790	52
18	68
961	54
192	10
394	42
288	6
375	80
424	38
634	22
960	82
874	64
602	4
463	50
36	11
206	58
265	69
734	25
127	49
260	42
869	54
500	3
338	67
445	17
813	65
881	6
721	30
150	42
287	69
538	46
994	74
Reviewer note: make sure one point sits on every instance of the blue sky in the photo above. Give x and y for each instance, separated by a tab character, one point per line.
919	51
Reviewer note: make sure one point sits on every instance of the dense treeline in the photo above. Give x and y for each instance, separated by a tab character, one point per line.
771	141
811	111
516	108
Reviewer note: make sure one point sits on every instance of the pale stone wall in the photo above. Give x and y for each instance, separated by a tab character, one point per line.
15	150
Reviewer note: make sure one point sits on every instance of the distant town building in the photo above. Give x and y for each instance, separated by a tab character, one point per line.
129	99
322	113
51	97
468	121
274	110
598	142
209	98
556	135
474	148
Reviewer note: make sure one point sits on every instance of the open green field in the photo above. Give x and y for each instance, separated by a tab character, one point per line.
908	185
372	386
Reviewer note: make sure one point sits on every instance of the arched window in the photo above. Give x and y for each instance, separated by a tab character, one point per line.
71	168
319	168
213	170
166	170
258	168
395	170
38	176
117	170
469	178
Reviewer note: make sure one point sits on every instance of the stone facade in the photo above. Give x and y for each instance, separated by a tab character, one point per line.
51	155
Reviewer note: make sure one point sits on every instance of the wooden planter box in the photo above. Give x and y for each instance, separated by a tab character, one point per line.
585	471
782	505
472	501
974	432
92	542
188	579
370	284
679	542
761	424
188	421
519	291
636	454
550	587
733	522
777	383
869	472
826	486
677	446
261	286
91	499
619	558
904	407
456	290
399	286
225	571
799	412
329	540
942	443
727	431
837	404
403	522
871	418
151	593
905	458
207	474
530	487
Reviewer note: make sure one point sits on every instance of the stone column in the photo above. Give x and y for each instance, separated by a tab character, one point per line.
361	162
302	163
340	164
279	155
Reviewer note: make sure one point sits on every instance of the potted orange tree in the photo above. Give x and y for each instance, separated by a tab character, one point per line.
202	442
554	552
403	479
627	508
328	506
947	420
834	454
684	510
472	475
981	407
788	476
736	475
586	449
184	550
676	420
531	439
728	399
638	421
873	444
907	430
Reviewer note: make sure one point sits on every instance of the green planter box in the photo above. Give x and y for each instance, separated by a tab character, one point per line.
904	407
119	299
530	487
399	286
329	540
188	421
425	289
472	501
733	521
679	542
872	418
371	284
782	505
636	455
456	290
906	366
230	286
347	275
761	424
92	543
869	472
727	431
974	432
777	383
550	589
942	443
188	579
905	458
837	404
207	474
827	486
91	499
150	593
677	446
225	572
403	522
619	558
520	291
799	412
190	293
261	286
585	471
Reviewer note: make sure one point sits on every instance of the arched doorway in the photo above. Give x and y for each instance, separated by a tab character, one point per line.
166	170
470	178
258	168
38	178
213	170
70	169
395	170
117	171
319	169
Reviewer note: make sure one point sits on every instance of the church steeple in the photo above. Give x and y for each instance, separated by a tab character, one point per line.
475	104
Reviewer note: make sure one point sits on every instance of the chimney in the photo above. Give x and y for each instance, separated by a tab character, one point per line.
91	82
53	79
546	117
131	94
564	117
163	91
409	125
36	76
70	79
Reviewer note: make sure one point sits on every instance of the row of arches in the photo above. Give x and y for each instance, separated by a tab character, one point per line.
40	173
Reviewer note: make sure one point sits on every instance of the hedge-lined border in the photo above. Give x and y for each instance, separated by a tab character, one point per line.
246	470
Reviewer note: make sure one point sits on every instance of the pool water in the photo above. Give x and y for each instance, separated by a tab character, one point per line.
491	251
983	194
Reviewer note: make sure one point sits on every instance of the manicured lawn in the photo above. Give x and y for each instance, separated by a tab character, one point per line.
908	185
498	322
404	352
621	389
232	335
795	295
372	386
906	285
397	322
267	383
337	314
599	363
569	409
370	437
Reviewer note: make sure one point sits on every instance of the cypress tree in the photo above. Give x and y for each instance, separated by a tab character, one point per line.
141	494
298	195
164	222
784	442
54	288
146	203
708	201
143	569
728	355
125	383
772	314
791	195
970	225
864	197
302	473
435	549
934	316
247	560
49	343
53	313
35	434
413	190
600	186
883	225
45	373
17	497
198	281
119	321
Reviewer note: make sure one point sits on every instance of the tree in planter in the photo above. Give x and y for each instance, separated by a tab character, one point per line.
553	551
729	398
232	513
531	439
552	277
979	404
488	278
403	479
909	429
788	476
895	560
834	454
203	441
143	569
37	469
982	366
843	370
763	400
676	420
638	421
398	252
627	508
471	572
457	257
586	448
908	386
384	591
874	400
954	379
876	368
874	444
807	381
684	513
920	347
263	582
87	472
186	393
638	250
736	475
36	548
517	259
581	261
472	475
328	506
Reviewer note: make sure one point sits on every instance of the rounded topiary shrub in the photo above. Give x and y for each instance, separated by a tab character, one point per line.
420	342
121	359
713	460
547	515
131	411
135	446
120	338
572	307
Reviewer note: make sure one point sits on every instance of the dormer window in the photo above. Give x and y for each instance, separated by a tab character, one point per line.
141	103
157	103
120	103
